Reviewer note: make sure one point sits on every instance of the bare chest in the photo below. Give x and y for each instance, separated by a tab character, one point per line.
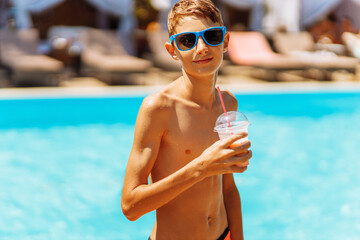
193	132
188	134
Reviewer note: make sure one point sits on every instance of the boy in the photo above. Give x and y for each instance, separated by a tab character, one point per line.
191	183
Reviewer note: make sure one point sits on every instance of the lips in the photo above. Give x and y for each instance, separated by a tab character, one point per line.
203	61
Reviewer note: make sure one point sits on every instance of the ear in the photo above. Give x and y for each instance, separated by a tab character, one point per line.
226	42
171	50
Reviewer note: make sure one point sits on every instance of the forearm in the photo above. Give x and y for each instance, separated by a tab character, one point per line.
146	198
139	197
234	214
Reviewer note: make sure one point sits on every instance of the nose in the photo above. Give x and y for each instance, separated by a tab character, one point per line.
201	47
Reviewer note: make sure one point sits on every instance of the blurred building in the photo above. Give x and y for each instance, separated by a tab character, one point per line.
43	14
270	16
320	17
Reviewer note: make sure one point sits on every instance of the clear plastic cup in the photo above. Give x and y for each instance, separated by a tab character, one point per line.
239	124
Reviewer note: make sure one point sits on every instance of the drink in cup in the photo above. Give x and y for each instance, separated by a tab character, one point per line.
232	123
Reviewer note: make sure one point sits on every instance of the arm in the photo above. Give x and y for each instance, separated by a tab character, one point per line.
138	196
233	207
231	194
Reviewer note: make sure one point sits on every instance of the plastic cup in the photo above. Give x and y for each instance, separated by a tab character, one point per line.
239	124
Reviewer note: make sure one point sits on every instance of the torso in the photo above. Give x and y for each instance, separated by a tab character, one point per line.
199	212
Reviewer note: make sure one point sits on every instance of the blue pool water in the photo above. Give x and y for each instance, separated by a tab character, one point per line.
62	163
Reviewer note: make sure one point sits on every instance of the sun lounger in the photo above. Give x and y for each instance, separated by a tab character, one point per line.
103	54
352	42
159	55
19	54
302	45
251	49
287	43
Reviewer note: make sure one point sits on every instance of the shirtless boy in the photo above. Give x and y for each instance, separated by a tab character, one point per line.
191	171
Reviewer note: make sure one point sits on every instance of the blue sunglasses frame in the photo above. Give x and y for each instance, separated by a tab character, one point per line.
197	34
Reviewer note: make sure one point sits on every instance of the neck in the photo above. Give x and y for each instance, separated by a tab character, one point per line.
200	90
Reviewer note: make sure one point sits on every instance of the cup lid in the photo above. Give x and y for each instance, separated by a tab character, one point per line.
232	116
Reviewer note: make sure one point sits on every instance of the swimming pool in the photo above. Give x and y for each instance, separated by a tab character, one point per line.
62	164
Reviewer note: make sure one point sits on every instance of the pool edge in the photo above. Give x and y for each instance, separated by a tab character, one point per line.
129	91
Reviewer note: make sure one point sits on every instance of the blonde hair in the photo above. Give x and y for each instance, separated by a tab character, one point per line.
198	8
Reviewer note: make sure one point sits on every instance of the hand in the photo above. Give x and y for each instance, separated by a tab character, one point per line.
219	158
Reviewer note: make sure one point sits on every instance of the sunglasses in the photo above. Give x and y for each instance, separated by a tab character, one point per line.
187	40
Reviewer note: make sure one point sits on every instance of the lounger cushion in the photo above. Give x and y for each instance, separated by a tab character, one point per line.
160	55
115	63
286	43
19	52
35	63
103	51
252	49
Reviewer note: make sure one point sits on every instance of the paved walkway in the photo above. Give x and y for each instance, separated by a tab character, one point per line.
235	79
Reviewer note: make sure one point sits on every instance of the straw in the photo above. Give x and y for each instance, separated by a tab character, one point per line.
223	105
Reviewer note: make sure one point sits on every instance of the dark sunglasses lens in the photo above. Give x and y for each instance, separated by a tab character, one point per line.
186	41
214	36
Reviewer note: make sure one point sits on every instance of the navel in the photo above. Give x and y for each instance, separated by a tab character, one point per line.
187	151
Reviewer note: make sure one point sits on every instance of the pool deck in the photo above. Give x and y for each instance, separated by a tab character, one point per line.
236	84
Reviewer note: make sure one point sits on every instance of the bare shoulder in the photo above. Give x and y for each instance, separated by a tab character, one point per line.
155	103
156	106
162	100
230	100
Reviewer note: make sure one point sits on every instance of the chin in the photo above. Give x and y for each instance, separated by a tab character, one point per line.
201	72
204	70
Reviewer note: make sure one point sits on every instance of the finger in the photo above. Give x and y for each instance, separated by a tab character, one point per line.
248	155
241	147
240	159
228	141
243	163
236	169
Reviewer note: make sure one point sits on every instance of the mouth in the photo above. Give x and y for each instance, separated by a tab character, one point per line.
203	61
